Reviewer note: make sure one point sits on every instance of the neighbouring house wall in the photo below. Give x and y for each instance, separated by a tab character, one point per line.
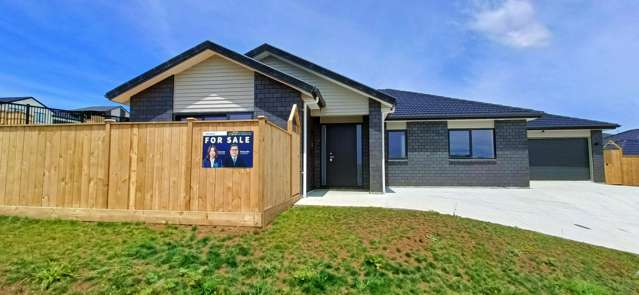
596	147
428	163
375	147
275	100
339	100
215	85
154	103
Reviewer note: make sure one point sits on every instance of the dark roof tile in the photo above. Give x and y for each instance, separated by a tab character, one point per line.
415	105
630	147
632	134
550	121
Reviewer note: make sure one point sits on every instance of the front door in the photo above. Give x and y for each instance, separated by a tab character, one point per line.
340	155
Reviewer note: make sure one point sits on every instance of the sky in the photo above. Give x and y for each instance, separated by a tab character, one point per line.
569	57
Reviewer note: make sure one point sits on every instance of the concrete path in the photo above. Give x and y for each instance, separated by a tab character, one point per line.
597	214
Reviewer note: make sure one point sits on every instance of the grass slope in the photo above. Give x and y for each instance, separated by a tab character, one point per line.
307	250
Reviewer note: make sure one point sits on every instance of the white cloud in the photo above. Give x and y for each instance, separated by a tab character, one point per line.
513	23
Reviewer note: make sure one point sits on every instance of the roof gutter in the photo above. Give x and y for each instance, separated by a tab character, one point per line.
575	127
532	115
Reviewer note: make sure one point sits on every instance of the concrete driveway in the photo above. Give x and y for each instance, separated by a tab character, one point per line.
597	214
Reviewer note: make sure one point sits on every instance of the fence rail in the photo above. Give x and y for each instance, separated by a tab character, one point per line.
621	169
148	172
21	114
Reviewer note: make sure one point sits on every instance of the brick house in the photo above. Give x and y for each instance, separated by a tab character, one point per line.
357	136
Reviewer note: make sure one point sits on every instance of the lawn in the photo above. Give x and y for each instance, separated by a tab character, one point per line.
306	250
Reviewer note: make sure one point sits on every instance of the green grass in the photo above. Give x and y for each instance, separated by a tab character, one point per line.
306	250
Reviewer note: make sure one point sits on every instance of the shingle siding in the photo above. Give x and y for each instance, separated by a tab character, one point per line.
375	147
428	163
596	142
154	103
275	100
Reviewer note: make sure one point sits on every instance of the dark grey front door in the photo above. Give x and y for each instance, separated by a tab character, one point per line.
559	159
340	155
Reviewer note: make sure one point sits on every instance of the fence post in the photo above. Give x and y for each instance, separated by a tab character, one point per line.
133	165
27	115
261	153
107	144
188	164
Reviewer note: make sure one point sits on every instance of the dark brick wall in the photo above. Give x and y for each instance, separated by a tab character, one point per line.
428	163
365	158
375	147
314	143
274	100
596	141
154	103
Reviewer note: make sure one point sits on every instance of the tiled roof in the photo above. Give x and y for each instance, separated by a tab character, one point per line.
415	105
632	134
550	121
630	147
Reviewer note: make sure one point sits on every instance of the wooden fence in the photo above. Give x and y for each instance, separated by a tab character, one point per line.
147	172
619	168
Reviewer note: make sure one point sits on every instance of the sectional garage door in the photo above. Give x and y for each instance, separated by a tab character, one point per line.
559	159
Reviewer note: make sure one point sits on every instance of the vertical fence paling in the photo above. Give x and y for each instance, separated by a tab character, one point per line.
621	169
132	167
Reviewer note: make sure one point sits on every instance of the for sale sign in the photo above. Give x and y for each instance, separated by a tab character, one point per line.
227	149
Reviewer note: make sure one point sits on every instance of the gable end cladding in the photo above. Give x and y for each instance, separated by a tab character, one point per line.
272	99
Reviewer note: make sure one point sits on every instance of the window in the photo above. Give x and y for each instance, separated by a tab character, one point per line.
396	144
213	117
471	143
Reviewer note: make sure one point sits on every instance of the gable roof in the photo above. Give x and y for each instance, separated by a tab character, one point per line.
222	51
416	106
551	121
632	134
267	48
99	108
19	98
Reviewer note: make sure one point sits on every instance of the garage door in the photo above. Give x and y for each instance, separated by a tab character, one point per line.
559	159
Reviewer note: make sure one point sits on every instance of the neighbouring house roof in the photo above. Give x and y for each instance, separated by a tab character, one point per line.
19	98
628	141
222	51
551	121
416	106
630	147
99	108
264	48
632	134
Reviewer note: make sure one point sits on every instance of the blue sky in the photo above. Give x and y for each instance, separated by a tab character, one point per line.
577	58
